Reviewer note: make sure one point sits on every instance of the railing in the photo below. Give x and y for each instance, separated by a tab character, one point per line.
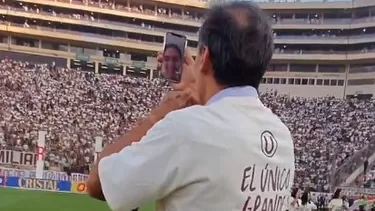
181	16
356	161
300	1
314	37
277	51
194	35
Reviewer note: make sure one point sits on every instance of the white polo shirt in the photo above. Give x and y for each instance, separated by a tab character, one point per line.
232	154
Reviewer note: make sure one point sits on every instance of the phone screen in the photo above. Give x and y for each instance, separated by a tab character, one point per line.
173	56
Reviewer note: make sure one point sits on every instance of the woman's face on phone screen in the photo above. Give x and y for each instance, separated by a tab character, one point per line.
172	62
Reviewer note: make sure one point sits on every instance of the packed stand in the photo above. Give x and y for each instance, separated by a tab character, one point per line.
326	132
74	107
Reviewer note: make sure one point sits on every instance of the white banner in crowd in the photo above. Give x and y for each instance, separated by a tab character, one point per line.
18	158
50	175
357	191
347	191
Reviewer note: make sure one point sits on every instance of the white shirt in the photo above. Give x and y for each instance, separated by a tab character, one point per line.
292	207
338	205
309	206
206	158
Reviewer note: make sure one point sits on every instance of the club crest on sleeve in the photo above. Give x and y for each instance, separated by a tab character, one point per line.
268	144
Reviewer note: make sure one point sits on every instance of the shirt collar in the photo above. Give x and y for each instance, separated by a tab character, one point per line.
243	91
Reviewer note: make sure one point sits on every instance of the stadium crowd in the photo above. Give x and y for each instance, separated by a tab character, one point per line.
75	106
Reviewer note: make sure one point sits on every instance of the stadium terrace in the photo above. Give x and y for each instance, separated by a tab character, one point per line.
81	69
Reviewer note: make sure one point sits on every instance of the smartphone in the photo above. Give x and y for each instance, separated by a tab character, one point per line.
173	56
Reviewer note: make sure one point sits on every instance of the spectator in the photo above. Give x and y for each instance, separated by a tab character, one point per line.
338	202
307	204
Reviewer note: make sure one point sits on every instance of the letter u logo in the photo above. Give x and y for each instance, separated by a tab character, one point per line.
268	144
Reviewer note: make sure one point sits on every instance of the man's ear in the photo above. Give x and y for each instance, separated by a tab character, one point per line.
206	64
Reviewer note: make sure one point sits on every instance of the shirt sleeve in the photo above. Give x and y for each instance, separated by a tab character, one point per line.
313	206
145	171
330	205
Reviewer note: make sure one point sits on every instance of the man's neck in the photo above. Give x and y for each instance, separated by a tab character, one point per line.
211	89
210	92
242	91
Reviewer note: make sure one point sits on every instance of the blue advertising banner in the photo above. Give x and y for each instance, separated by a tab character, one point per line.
50	175
2	181
38	184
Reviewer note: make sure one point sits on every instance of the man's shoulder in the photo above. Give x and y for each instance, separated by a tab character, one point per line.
191	113
176	125
187	119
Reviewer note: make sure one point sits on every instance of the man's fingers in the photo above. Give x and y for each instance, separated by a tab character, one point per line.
180	99
159	57
171	95
187	74
185	94
184	97
189	97
179	95
178	86
188	58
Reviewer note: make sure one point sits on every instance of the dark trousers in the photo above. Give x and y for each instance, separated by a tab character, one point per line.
365	166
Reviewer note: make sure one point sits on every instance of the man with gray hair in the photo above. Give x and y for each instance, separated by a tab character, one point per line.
211	145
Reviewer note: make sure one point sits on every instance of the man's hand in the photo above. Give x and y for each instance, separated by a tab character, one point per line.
183	94
172	101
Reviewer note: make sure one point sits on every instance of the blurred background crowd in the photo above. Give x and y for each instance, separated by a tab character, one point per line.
75	106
